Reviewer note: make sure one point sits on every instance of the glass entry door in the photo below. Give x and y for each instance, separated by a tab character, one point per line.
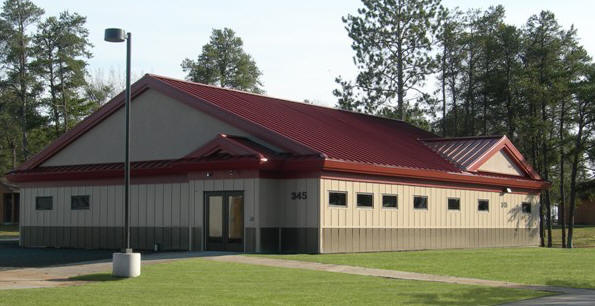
224	221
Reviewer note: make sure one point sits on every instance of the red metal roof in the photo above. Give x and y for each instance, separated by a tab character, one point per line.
325	137
340	135
462	151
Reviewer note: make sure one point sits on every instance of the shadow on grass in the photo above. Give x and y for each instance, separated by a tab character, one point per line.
476	296
570	284
98	277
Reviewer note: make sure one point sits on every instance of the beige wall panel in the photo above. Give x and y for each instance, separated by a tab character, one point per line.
184	204
167	205
158	205
176	136
298	213
436	216
270	205
501	163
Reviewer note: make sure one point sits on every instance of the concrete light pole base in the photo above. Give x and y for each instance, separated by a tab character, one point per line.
126	264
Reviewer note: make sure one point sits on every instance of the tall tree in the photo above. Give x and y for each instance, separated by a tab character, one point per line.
223	62
449	60
61	49
99	90
392	43
542	58
16	18
583	109
575	62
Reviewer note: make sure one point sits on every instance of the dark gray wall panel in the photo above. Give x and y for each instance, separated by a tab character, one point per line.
269	239
250	240
141	238
341	240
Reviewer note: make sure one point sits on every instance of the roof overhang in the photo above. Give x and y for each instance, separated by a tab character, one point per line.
450	177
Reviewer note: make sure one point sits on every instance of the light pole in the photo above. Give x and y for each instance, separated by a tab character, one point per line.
126	264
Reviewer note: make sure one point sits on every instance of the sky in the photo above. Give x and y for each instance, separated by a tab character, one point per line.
300	46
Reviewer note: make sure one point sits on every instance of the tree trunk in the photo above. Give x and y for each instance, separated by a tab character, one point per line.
562	213
63	96
23	93
545	169
444	90
469	97
455	110
54	103
574	171
400	77
541	231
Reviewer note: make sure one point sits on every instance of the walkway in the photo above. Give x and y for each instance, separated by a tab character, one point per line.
567	296
57	276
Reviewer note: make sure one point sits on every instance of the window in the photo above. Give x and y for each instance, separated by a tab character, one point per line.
390	201
454	204
43	203
420	202
79	202
526	207
483	205
365	200
337	198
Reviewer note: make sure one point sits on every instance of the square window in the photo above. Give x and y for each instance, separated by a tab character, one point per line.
526	207
337	198
79	202
483	205
44	203
365	200
420	202
390	201
454	204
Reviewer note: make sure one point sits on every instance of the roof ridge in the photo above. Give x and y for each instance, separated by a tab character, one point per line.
280	99
462	138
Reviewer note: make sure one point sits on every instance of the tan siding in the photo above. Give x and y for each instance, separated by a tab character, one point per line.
436	216
501	163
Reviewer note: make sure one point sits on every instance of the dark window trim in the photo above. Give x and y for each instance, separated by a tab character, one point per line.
448	207
390	195
363	206
483	211
80	208
335	205
421	196
44	197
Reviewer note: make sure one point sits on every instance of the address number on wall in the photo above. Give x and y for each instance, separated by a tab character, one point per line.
299	195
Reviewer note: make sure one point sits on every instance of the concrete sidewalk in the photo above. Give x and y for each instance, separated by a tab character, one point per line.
567	296
58	276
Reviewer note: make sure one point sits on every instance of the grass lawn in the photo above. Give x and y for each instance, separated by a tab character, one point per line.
558	267
198	281
9	231
584	237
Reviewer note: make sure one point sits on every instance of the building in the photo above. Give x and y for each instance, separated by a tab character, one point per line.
219	169
9	203
584	213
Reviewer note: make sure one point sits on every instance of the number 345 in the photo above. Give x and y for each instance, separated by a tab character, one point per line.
299	195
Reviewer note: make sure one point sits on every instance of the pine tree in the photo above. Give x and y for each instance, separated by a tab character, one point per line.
223	62
61	49
391	40
16	18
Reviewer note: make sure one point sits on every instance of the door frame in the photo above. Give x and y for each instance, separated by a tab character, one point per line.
223	245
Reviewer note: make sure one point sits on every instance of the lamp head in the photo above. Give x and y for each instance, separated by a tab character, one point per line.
115	35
